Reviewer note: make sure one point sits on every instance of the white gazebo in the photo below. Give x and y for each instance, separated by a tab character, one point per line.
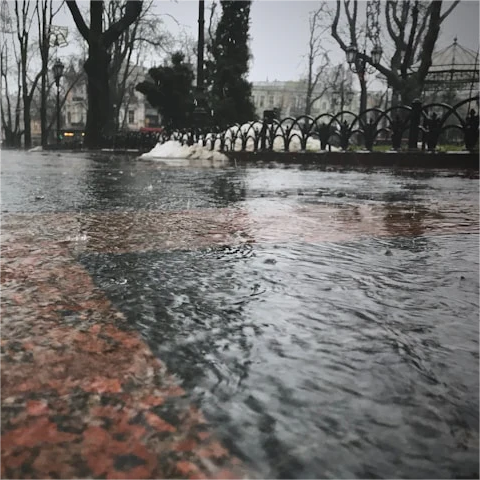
455	68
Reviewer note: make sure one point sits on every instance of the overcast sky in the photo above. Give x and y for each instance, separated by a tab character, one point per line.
279	32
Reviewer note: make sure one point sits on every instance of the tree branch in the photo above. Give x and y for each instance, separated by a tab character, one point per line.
132	11
335	34
449	10
430	39
408	57
78	19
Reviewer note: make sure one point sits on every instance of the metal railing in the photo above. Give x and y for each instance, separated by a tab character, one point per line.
412	128
139	141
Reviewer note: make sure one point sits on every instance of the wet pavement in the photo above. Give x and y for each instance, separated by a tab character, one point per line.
171	321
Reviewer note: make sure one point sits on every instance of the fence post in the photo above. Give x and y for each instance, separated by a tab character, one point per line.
415	117
268	116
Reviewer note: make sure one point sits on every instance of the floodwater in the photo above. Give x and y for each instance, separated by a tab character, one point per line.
324	320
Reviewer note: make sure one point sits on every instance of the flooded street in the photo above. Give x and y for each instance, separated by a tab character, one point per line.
325	321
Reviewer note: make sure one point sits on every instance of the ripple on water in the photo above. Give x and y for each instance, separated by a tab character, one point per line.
326	359
343	344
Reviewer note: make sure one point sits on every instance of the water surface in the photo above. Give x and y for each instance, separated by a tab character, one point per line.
326	321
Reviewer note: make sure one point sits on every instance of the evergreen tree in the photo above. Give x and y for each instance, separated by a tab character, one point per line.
230	91
171	92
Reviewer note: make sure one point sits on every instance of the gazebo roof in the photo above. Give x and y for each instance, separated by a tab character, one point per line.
456	57
455	66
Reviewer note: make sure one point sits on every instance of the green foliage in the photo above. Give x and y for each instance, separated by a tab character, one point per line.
171	92
230	90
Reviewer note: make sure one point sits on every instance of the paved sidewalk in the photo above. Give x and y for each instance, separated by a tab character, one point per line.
82	395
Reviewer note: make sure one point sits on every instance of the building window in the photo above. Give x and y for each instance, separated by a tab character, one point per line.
262	100
69	118
271	100
151	121
131	116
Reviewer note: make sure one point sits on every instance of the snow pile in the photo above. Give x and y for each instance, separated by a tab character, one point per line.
174	149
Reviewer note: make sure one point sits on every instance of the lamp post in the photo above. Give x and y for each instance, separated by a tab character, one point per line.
57	75
199	112
201	42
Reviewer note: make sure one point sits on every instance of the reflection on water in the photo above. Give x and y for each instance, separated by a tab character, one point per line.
325	321
320	360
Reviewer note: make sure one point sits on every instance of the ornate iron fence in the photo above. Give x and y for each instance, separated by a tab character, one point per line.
141	141
416	127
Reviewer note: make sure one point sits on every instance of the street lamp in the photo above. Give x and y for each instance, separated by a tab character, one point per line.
58	68
358	63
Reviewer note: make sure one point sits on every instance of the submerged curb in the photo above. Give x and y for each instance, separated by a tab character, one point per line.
436	160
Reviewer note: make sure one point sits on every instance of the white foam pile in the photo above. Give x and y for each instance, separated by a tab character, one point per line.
173	149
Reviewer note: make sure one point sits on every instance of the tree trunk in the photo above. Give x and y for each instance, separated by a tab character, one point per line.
395	98
12	139
27	135
99	117
100	109
411	90
363	93
43	110
308	102
27	123
44	50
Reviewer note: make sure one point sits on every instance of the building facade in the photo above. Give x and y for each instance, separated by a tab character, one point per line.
134	113
289	98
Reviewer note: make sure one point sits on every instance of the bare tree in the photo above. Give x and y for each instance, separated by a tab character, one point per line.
21	45
355	38
412	26
73	76
45	16
100	118
317	58
24	15
145	36
11	100
340	84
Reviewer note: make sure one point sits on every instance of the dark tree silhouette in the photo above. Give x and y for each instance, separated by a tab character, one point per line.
171	92
231	92
100	119
413	26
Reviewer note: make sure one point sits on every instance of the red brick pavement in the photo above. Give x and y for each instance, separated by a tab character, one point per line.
82	394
